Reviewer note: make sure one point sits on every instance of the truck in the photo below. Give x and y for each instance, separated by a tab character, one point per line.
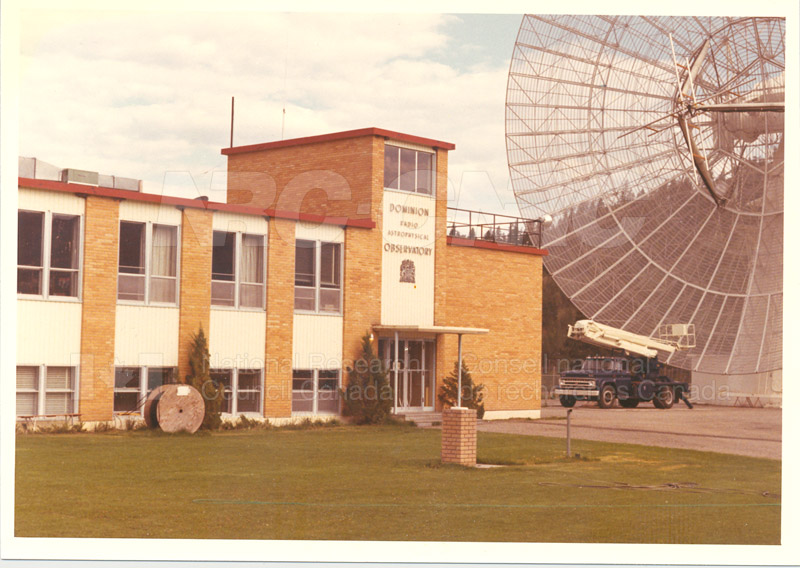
620	378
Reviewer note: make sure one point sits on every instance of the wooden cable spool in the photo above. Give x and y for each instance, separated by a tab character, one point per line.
175	408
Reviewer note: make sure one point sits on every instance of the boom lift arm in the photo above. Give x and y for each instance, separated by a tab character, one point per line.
674	338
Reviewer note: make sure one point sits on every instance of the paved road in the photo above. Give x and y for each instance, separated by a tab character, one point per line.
744	431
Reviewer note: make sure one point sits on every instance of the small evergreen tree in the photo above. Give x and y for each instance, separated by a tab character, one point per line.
513	234
471	233
200	378
471	394
453	232
368	395
488	235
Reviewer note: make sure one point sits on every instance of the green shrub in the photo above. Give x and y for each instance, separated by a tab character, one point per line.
471	394
200	378
368	395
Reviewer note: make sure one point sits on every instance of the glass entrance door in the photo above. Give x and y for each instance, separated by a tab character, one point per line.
413	384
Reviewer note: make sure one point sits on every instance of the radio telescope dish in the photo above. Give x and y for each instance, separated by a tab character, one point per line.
656	145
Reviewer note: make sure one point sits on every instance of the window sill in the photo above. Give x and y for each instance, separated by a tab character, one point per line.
146	305
235	309
310	313
39	298
431	196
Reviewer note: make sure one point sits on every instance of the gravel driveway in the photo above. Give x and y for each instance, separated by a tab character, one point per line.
752	432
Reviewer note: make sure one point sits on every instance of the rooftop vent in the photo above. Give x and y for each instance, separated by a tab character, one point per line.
70	175
35	168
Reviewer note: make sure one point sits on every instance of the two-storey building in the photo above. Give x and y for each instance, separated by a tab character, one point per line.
323	240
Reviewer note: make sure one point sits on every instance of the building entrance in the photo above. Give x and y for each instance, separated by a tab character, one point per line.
413	384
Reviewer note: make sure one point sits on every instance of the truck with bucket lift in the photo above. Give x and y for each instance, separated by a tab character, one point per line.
619	377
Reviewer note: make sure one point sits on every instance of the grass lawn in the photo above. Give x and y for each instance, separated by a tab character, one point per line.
385	483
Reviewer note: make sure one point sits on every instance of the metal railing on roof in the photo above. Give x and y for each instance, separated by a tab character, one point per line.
491	227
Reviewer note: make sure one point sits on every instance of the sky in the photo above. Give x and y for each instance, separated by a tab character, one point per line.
147	94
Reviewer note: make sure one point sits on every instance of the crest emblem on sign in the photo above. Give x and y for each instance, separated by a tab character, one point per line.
407	271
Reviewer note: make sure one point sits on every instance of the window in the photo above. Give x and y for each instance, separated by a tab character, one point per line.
409	170
242	390
131	391
318	276
315	391
143	279
244	289
54	395
53	237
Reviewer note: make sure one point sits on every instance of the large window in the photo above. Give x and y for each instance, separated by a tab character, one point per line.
243	288
318	276
409	170
43	390
147	278
315	391
241	390
133	384
48	254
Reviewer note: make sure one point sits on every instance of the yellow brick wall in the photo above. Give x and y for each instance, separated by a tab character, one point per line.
362	269
501	291
195	293
99	308
280	319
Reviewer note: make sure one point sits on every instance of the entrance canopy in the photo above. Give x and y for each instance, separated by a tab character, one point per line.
430	329
438	329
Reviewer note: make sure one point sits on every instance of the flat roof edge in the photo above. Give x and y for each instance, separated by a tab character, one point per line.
489	245
111	193
389	134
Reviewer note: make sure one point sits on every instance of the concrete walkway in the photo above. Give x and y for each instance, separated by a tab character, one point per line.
752	432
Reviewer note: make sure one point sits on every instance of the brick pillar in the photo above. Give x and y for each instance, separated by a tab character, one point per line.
195	306
98	316
460	436
280	319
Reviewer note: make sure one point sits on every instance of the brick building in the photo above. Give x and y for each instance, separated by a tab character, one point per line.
322	240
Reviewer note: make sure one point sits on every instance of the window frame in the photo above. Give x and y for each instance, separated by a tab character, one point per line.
42	390
46	249
315	379
431	192
238	280
148	265
233	392
318	286
142	391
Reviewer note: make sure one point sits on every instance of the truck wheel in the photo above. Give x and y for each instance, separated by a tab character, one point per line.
607	397
665	398
567	401
629	402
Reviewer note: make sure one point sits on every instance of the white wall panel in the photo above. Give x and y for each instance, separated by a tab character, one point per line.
317	341
56	201
319	232
48	333
409	232
146	335
237	338
139	211
233	222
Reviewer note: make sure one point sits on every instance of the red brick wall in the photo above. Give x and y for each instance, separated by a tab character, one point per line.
332	178
195	295
501	291
99	308
280	319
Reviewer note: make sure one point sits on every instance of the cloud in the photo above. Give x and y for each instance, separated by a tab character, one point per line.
138	94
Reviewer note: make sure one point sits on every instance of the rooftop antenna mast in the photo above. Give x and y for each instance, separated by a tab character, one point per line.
285	72
231	122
